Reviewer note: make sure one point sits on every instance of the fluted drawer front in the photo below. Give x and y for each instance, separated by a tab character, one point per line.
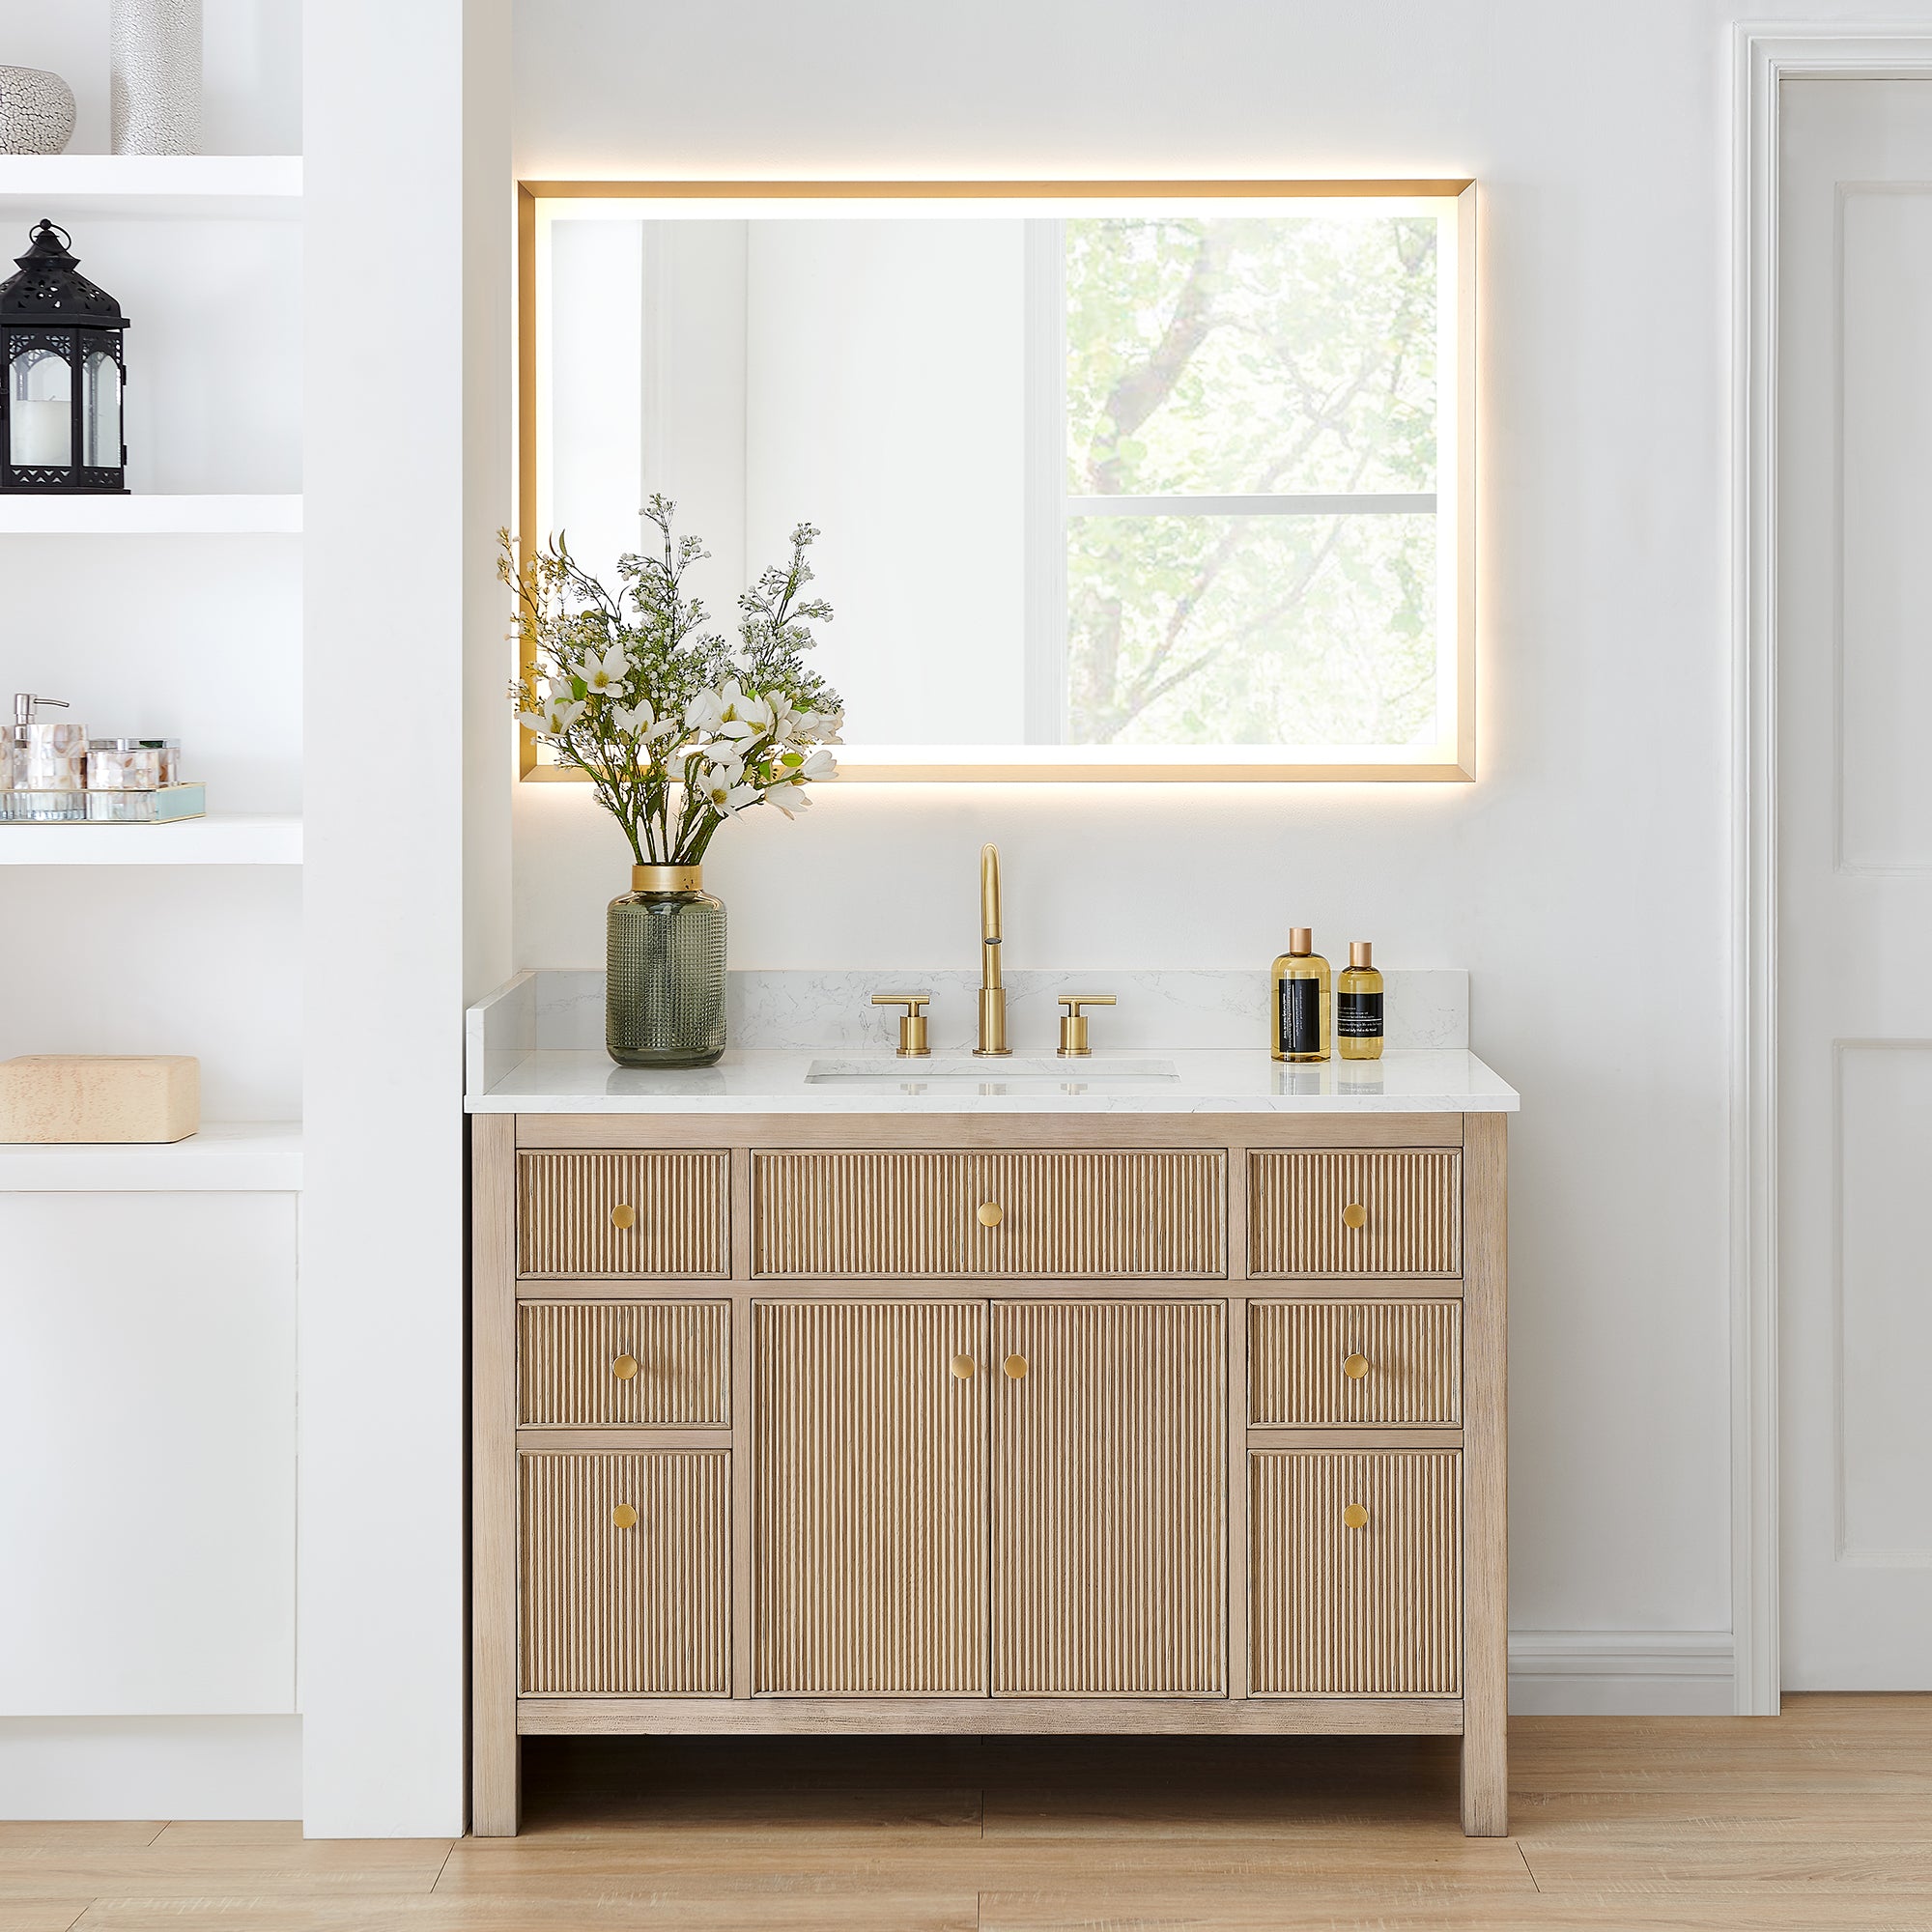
1373	1610
1394	1213
627	1574
869	1496
1408	1355
582	1364
1035	1216
647	1213
1109	1490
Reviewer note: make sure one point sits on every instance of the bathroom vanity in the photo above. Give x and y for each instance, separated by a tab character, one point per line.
835	1393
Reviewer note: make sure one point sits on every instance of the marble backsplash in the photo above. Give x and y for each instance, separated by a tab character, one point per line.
1171	1010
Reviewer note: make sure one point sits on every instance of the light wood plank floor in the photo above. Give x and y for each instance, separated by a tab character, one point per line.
1819	1820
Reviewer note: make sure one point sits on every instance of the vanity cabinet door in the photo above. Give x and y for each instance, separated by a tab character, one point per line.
626	1560
647	1213
868	1497
1380	1214
1109	1482
1356	1572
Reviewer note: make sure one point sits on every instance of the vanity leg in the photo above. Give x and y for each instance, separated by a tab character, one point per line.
1485	1478
492	1477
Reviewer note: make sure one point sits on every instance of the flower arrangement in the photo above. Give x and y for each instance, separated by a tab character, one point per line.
677	729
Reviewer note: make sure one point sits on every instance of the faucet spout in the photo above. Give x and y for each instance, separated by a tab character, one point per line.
992	988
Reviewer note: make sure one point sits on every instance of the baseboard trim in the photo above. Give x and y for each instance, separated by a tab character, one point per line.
170	1768
1627	1673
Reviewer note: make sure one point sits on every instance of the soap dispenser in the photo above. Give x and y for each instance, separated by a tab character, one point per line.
1302	990
48	761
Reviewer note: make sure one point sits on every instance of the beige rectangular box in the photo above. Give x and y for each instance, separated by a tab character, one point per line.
100	1096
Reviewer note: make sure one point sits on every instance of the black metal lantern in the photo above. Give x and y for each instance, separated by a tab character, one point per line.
62	348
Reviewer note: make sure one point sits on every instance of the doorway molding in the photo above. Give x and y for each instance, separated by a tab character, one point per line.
1764	56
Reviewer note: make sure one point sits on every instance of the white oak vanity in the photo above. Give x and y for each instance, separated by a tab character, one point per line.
1066	1406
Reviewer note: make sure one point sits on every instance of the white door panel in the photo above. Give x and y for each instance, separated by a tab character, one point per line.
1855	881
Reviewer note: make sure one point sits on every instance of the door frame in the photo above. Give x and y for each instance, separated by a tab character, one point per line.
1762	57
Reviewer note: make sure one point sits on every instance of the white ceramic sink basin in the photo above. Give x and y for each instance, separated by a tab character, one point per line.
1014	1071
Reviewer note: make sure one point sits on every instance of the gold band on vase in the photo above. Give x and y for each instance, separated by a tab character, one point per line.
666	878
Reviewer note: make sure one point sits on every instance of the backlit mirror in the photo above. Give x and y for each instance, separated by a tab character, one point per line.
1119	482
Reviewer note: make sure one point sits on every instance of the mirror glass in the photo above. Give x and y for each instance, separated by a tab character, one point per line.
1157	486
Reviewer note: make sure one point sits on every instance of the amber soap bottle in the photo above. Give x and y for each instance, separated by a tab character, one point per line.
1358	1005
1302	993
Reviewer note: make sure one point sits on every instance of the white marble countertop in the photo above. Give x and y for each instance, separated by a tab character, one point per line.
581	1080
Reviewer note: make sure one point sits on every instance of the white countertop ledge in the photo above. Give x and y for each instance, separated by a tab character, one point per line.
577	1080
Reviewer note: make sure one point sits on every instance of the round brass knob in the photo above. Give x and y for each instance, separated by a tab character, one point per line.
623	1215
1015	1367
1354	1216
962	1367
1355	1366
991	1214
624	1367
624	1516
1355	1516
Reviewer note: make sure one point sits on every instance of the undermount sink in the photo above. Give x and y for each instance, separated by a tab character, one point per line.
1014	1071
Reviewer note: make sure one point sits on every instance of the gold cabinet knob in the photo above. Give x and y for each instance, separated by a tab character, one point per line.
991	1214
1354	1216
1355	1517
624	1516
962	1367
623	1215
1355	1366
1015	1367
625	1367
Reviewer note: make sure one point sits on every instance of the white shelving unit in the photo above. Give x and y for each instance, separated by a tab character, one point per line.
152	516
234	838
169	1271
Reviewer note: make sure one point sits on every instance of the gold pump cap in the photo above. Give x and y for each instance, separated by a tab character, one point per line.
1300	941
1360	953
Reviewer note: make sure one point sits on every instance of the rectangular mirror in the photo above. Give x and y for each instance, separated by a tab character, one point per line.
1114	481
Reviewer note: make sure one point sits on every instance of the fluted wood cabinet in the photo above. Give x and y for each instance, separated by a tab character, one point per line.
989	1424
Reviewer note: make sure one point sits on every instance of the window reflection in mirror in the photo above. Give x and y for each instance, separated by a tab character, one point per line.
1105	489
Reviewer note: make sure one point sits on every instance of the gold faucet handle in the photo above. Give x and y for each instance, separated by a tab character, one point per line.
912	1028
1073	1022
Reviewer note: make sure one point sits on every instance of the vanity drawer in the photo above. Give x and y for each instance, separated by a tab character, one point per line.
638	1214
1395	1213
626	1568
1331	1363
592	1364
1039	1215
1356	1574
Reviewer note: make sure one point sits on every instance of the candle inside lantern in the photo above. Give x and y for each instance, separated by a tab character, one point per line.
42	433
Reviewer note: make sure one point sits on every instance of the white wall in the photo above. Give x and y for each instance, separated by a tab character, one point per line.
1583	879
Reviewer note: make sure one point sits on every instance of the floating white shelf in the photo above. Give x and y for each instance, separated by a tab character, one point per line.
253	185
227	839
150	516
225	1158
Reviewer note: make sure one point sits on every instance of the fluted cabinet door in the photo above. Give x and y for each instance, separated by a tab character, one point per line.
868	1497
1109	1482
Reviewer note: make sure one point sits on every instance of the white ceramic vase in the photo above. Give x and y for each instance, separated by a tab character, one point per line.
155	47
35	112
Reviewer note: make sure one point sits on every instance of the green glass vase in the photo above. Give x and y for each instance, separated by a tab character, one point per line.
664	999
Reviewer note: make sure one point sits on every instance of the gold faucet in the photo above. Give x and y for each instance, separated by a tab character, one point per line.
992	990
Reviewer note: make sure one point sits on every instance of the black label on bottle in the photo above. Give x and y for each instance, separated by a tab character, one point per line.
1298	1023
1359	1015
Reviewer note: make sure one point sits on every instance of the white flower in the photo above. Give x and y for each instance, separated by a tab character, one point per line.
640	719
804	766
789	798
557	716
821	726
605	676
730	713
721	785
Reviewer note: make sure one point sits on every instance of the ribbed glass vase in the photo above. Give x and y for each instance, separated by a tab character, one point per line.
664	1001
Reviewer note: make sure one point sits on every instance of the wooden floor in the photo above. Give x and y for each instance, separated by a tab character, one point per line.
1819	1819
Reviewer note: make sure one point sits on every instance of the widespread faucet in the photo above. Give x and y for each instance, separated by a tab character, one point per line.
992	988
